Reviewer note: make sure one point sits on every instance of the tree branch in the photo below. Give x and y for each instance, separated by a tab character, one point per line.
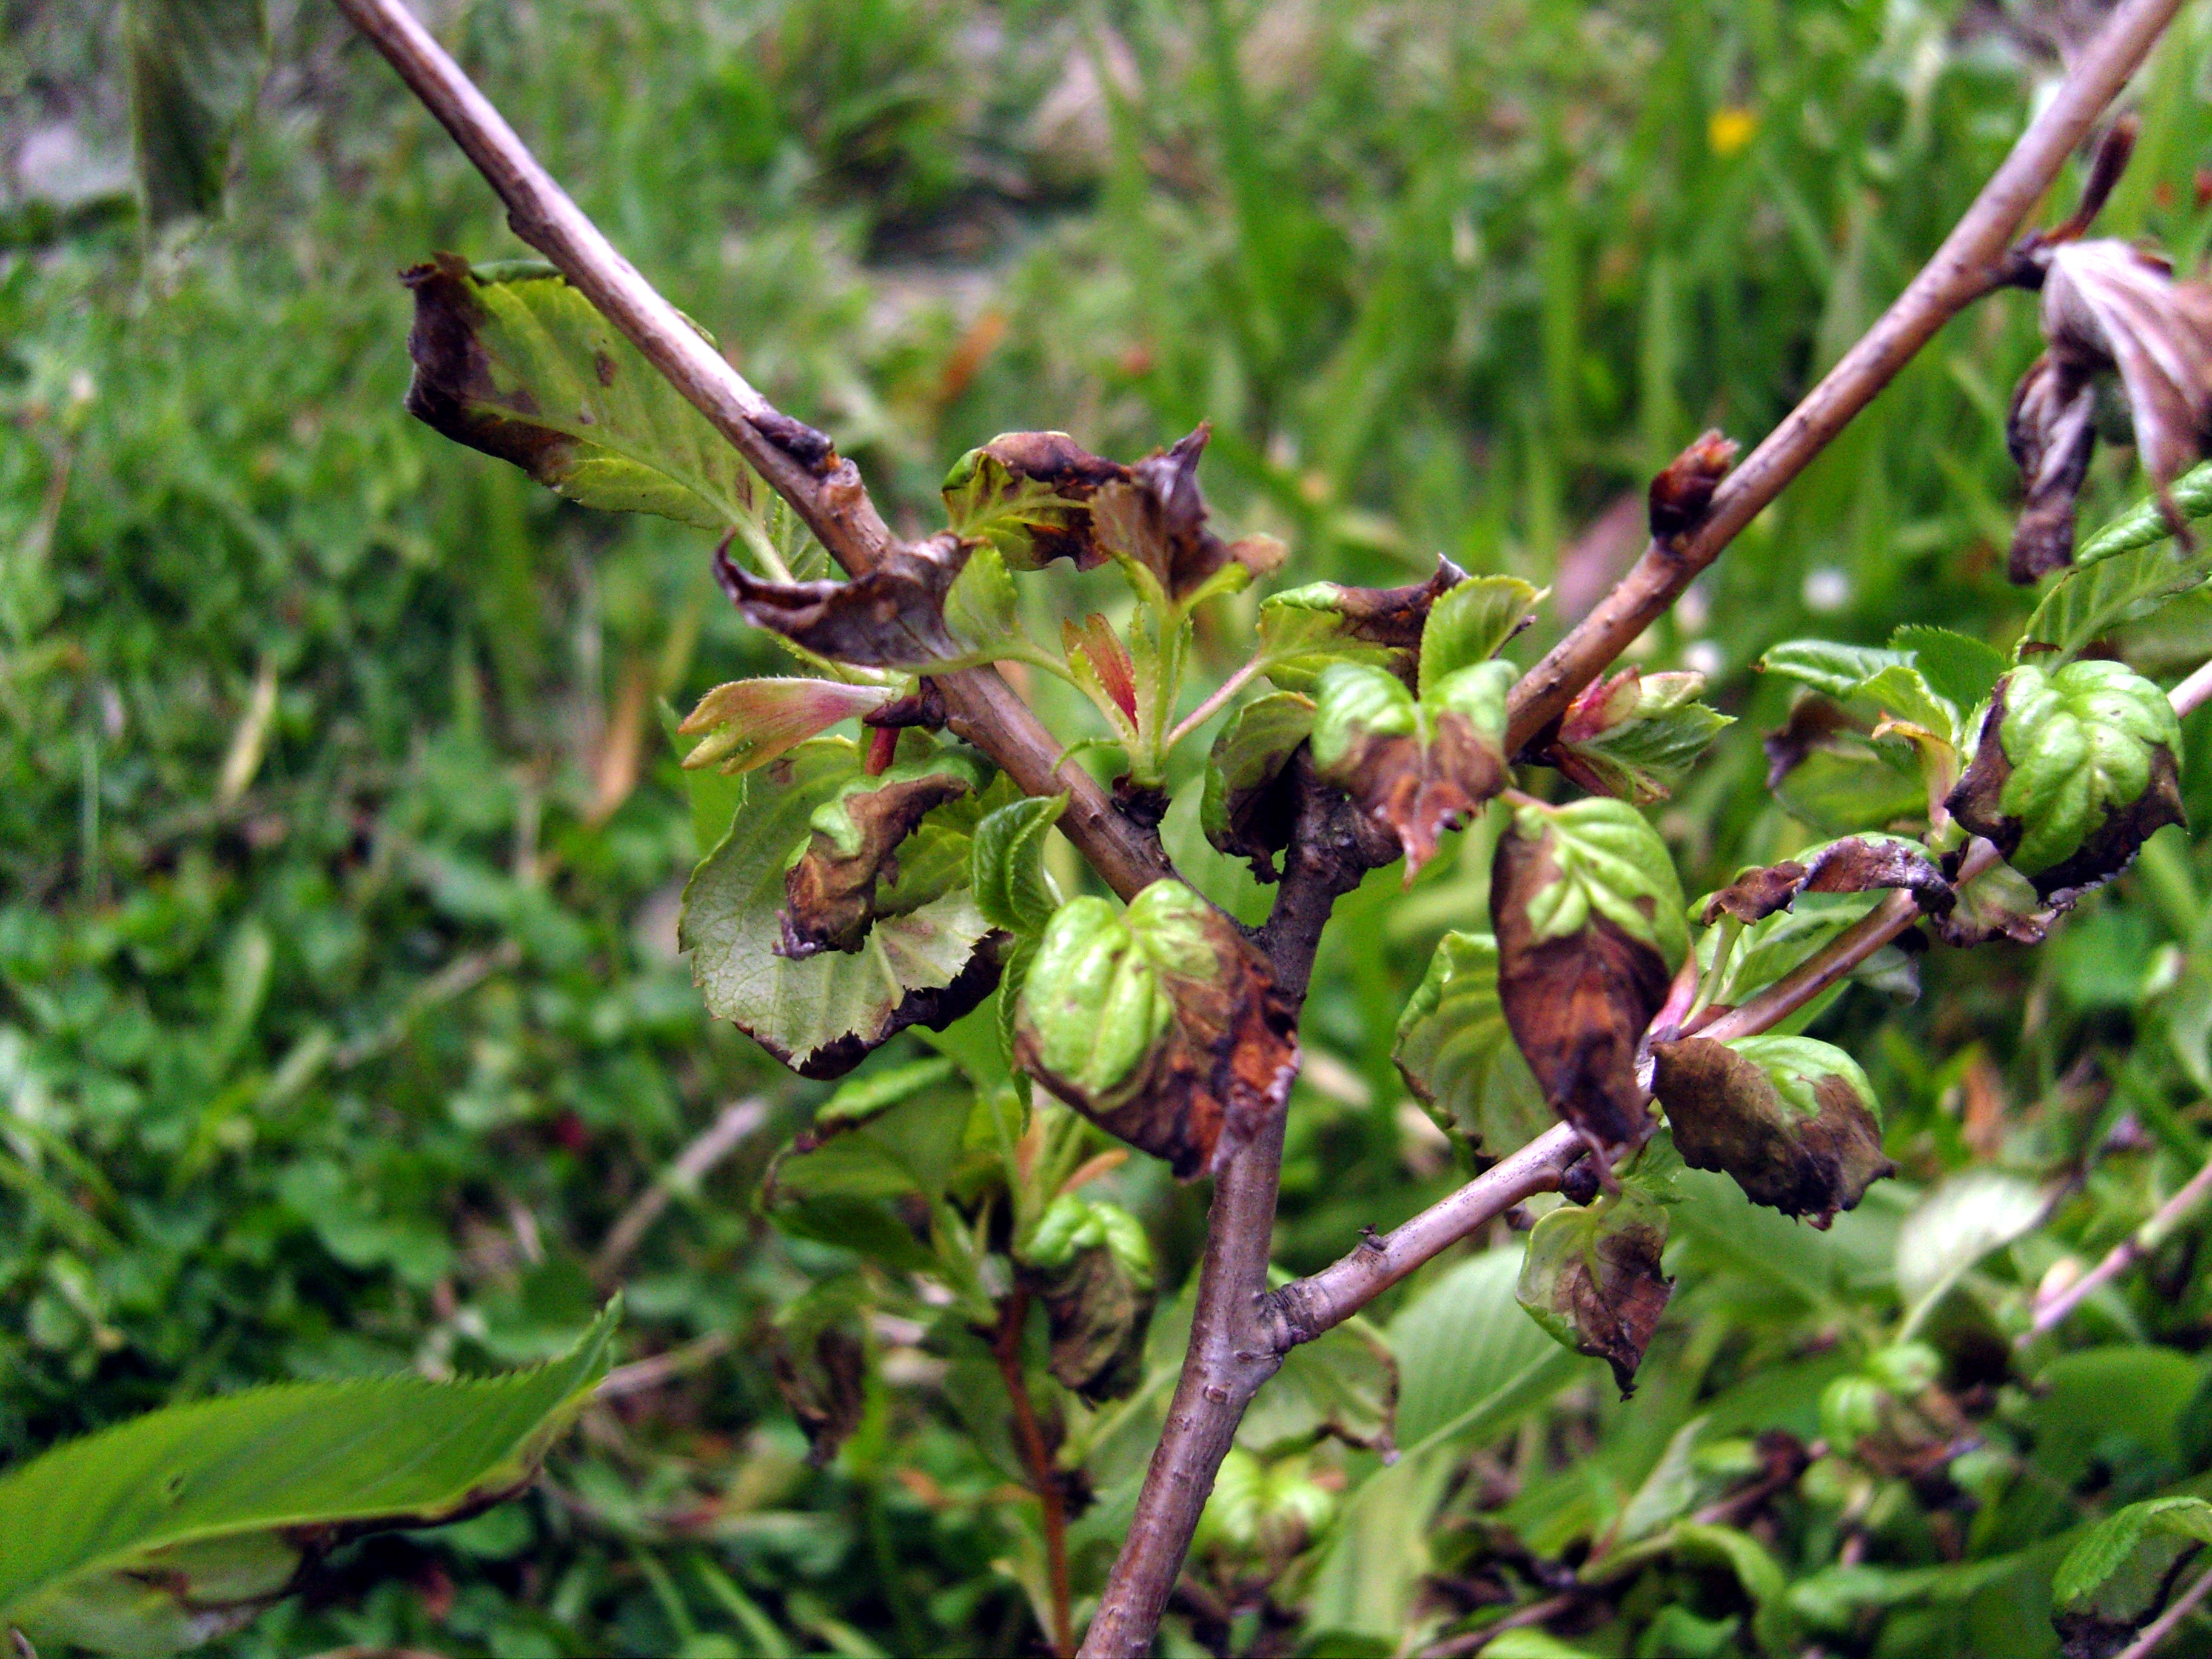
824	489
2049	1314
1963	269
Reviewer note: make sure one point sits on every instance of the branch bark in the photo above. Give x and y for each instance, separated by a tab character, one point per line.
824	489
1963	269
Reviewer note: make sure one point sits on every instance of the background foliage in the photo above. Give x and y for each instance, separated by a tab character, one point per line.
340	1015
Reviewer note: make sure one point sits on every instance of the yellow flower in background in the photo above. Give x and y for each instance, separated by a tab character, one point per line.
1730	130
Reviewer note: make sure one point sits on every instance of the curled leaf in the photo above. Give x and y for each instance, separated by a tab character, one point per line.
1246	807
2125	1570
2107	307
1091	1266
1470	624
892	617
1588	919
831	898
1680	495
1591	1278
1857	864
1305	629
1417	768
1028	495
1792	1119
1635	735
1998	903
1161	1024
1008	864
751	722
1155	522
2074	771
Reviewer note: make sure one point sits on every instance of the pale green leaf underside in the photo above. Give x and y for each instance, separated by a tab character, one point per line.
2087	603
729	924
200	1491
1456	1054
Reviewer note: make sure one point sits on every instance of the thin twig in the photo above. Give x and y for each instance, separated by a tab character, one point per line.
1036	1458
729	1130
2164	1625
2192	693
1963	269
1206	710
640	1374
826	492
2124	1255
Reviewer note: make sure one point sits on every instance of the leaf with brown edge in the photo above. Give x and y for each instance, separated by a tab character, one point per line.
1591	1278
1305	630
893	616
2050	432
1154	522
1589	918
1999	904
751	722
1090	1264
1857	864
1636	735
1247	806
830	895
1162	1024
1793	1120
1417	768
2072	771
1029	494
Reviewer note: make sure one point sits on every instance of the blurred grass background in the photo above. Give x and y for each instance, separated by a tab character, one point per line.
340	1017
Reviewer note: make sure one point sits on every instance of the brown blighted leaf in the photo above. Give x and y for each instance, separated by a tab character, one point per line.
1857	864
2051	433
1157	521
824	1383
1162	1024
1791	1119
1096	1317
1249	799
1416	768
892	617
2072	772
830	894
1029	494
1681	495
1588	915
1591	1278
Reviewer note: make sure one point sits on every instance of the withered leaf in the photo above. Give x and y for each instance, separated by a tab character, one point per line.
1091	1266
1998	903
1857	864
1591	1278
2072	772
892	617
1417	768
1588	915
1681	493
830	893
1164	1025
1156	521
824	1383
2107	306
1029	493
1791	1119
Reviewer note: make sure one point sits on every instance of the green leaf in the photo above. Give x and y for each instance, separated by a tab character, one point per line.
195	68
1835	670
1959	669
512	361
1591	1278
1964	1219
820	1014
2090	1565
1471	623
1344	1383
1305	629
2144	524
981	609
1901	692
1641	750
1458	1057
1245	810
1006	864
179	1526
2087	603
1470	1365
